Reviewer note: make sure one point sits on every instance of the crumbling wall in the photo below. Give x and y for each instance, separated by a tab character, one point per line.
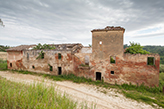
14	60
128	69
50	59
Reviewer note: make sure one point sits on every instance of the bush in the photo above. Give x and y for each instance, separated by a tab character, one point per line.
136	48
161	68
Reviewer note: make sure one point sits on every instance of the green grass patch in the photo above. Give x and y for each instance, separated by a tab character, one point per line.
3	64
36	96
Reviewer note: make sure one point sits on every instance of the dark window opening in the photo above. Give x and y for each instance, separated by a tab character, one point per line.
27	56
112	59
150	61
51	68
33	67
59	55
42	56
10	64
59	70
112	72
98	76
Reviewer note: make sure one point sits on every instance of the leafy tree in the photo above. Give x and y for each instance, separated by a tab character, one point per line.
136	48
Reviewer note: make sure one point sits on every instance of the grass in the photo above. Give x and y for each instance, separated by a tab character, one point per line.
149	95
3	64
36	96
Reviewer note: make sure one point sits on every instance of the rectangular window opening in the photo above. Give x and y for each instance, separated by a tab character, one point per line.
27	56
113	59
98	76
112	72
59	55
10	64
150	61
42	56
33	67
51	68
59	70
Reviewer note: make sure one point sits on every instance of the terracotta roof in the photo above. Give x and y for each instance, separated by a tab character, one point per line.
20	48
110	28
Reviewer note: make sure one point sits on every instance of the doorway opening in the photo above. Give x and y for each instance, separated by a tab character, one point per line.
98	76
59	70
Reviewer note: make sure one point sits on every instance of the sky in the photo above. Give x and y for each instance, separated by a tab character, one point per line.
71	21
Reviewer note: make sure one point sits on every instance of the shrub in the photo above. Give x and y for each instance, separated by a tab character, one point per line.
136	48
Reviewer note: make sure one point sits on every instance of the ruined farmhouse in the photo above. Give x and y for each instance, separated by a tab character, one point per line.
105	60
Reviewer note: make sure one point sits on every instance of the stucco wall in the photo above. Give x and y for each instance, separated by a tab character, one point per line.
14	59
111	44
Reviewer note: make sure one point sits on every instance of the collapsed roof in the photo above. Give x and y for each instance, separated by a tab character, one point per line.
71	47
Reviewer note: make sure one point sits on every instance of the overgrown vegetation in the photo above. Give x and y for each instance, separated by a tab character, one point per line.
136	48
84	65
41	55
36	96
112	60
44	46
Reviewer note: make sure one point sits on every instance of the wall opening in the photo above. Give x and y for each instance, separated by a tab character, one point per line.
51	68
59	55
113	59
33	67
86	60
42	56
150	61
27	56
100	42
10	64
98	76
112	72
59	70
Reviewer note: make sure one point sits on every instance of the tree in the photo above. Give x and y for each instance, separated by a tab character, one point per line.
136	48
1	23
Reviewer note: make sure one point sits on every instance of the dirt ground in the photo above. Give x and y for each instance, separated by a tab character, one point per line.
91	95
3	55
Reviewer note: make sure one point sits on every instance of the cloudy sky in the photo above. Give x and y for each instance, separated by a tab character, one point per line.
71	21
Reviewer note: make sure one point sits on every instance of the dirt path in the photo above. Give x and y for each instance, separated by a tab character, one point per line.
102	98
